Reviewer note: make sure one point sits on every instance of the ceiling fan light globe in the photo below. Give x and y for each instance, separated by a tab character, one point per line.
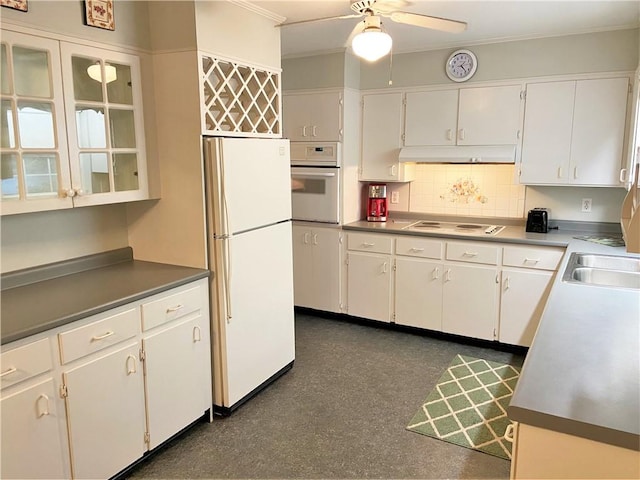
371	45
95	72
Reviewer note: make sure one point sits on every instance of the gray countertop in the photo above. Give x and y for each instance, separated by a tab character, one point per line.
581	375
32	308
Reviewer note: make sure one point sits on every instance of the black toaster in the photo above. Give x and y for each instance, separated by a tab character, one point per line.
538	220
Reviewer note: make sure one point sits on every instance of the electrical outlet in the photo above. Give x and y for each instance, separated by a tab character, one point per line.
395	197
586	204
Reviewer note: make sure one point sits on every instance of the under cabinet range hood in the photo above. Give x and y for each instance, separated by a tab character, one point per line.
459	154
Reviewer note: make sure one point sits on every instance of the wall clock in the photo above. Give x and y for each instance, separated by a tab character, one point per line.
461	65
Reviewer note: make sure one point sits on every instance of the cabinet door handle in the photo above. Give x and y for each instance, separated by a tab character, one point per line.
508	433
306	238
197	334
96	338
531	260
367	244
447	275
384	267
575	172
435	274
417	249
42	411
8	371
449	134
461	134
470	254
506	283
393	170
304	130
559	172
175	308
69	193
623	175
315	238
131	364
313	131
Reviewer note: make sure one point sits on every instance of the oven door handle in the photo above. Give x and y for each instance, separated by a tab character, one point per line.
306	175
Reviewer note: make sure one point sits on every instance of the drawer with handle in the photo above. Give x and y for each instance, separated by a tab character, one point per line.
473	253
170	307
369	243
539	258
24	362
97	335
419	247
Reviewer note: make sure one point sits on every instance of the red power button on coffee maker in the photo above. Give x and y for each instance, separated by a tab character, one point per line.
377	204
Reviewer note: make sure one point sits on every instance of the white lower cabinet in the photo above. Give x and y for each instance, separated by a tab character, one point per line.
127	379
418	293
474	289
31	433
178	384
470	300
527	275
316	267
524	294
369	286
105	412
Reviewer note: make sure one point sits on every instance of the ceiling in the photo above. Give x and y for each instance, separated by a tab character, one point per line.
488	21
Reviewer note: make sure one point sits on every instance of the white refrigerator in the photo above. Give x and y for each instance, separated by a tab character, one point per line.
248	187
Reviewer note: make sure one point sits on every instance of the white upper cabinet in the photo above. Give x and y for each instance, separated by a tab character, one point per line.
34	160
431	118
313	117
574	132
467	116
93	154
382	139
489	115
103	102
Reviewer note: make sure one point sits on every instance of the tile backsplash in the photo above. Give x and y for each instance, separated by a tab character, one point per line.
474	190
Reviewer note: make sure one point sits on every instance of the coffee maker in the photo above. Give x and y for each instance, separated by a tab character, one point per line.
377	204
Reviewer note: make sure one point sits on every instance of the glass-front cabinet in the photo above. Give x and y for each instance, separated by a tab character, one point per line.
34	162
104	118
71	127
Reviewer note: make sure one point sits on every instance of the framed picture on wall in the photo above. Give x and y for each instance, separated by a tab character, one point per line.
99	13
15	4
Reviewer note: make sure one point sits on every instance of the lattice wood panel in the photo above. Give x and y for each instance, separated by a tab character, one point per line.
239	99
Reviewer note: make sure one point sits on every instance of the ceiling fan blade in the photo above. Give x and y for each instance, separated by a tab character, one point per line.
323	19
389	6
426	21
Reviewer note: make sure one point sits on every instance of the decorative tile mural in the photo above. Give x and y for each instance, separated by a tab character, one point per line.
475	190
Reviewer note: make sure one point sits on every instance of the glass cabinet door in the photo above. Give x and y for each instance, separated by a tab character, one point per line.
104	121
34	164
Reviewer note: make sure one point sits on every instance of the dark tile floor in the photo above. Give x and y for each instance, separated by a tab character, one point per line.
341	412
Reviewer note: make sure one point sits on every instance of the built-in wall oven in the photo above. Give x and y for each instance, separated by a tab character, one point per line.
315	182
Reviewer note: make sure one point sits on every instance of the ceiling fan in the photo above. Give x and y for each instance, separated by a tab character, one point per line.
368	40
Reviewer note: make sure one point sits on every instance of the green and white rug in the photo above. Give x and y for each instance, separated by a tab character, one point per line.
468	406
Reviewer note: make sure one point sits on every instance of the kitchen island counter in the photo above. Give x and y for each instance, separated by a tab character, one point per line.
581	375
37	300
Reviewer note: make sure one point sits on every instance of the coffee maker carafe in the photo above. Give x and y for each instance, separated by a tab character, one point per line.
377	204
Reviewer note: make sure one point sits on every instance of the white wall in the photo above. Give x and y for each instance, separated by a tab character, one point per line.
566	203
67	18
317	71
585	53
37	238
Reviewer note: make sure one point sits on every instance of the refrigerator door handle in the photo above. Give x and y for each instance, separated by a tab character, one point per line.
226	278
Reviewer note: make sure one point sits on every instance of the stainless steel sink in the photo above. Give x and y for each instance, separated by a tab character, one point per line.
609	262
611	278
603	270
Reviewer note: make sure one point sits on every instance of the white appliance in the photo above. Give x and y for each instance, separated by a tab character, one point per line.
250	254
315	182
457	228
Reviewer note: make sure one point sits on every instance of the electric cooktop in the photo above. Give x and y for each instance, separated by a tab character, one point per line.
472	229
